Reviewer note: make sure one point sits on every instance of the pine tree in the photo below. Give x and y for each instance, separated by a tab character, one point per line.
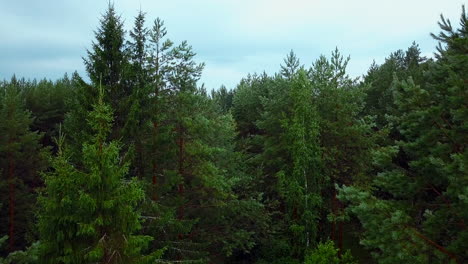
417	212
160	64
291	66
378	81
21	159
47	102
223	97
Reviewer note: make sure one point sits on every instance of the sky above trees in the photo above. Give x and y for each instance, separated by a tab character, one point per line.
47	38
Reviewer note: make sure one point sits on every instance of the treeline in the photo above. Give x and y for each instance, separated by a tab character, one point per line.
308	165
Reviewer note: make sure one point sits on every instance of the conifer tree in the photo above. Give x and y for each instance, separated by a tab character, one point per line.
107	61
344	137
160	63
136	122
107	64
417	212
21	159
47	102
378	81
223	97
291	66
88	214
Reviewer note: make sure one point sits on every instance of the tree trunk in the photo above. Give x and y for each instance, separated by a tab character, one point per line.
139	162
11	215
333	231
155	163
180	188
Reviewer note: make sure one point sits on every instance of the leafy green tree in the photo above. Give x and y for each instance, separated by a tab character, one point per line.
306	154
326	253
301	185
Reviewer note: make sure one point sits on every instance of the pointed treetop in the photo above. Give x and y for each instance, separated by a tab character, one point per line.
291	65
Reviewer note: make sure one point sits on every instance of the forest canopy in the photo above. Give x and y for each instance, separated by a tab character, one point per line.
138	163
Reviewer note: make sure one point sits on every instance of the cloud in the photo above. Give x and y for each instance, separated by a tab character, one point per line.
46	38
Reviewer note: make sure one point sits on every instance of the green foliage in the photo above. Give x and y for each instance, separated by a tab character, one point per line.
301	132
108	65
21	159
326	253
98	222
302	187
47	102
27	256
223	98
415	211
379	97
153	169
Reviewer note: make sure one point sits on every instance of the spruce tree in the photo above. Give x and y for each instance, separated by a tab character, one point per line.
139	107
88	213
107	64
107	61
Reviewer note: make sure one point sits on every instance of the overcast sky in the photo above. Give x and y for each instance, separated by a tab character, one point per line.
47	38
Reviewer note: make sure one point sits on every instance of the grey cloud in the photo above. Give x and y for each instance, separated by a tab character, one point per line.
46	38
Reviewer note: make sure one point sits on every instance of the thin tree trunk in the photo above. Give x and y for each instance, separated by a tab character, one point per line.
181	171
155	182
155	128
333	231
306	188
11	227
139	149
434	244
340	238
155	163
180	187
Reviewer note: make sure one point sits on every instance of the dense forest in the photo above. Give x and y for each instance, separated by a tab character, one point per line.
138	163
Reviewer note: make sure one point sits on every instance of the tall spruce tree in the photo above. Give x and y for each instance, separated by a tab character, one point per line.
107	64
135	124
88	214
107	61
